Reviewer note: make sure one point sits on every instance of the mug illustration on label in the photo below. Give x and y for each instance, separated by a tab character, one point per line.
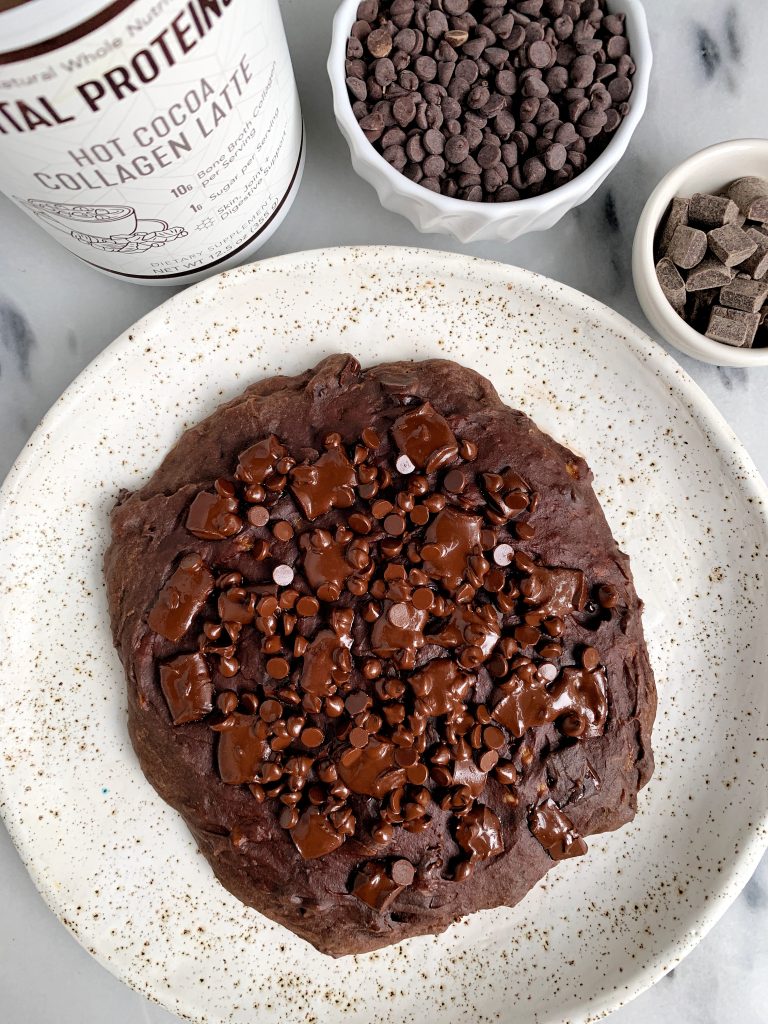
156	141
111	228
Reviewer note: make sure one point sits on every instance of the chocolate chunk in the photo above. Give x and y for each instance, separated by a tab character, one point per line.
374	887
730	244
578	702
326	562
423	434
743	294
441	686
373	772
733	327
756	265
751	196
325	484
687	247
677	214
451	538
241	750
671	284
214	517
314	835
698	305
710	211
321	664
181	599
710	273
257	463
187	688
555	831
558	592
479	834
476	629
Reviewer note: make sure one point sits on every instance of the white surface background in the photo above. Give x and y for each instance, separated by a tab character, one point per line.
56	314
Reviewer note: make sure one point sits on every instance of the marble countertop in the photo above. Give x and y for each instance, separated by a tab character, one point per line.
709	72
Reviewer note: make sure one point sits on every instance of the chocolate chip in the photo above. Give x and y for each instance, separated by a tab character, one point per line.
258	516
433	167
555	156
425	68
282	531
493	737
404	110
539	54
414	149
283	575
456	149
616	47
312	737
358	738
534	171
455	481
488	761
402	872
278	668
379	42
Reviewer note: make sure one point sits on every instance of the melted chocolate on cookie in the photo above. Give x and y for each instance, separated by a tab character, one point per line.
424	558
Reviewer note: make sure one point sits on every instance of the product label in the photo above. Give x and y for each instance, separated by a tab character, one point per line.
161	141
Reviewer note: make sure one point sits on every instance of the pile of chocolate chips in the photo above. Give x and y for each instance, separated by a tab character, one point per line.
351	670
489	100
712	262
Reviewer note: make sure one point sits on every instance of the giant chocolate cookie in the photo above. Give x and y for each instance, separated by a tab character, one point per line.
382	651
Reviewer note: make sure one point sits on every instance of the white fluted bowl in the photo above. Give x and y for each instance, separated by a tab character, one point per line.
484	222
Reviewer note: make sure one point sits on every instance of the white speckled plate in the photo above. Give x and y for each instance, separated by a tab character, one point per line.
118	866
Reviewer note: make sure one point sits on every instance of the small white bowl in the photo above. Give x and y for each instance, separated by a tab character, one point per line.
706	171
484	222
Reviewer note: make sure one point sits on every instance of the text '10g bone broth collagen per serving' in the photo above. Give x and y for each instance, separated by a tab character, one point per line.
158	140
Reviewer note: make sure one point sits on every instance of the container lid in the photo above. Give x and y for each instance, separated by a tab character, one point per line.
40	23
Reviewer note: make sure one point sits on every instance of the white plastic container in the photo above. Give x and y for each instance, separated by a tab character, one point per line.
160	141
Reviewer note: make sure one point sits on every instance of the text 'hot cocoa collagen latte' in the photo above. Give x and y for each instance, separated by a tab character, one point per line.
158	140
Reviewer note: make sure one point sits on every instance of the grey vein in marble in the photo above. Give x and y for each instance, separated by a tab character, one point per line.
16	336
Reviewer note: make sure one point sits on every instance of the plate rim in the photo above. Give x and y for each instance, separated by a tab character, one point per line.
726	444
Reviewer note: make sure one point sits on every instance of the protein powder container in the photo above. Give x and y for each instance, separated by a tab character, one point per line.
160	141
